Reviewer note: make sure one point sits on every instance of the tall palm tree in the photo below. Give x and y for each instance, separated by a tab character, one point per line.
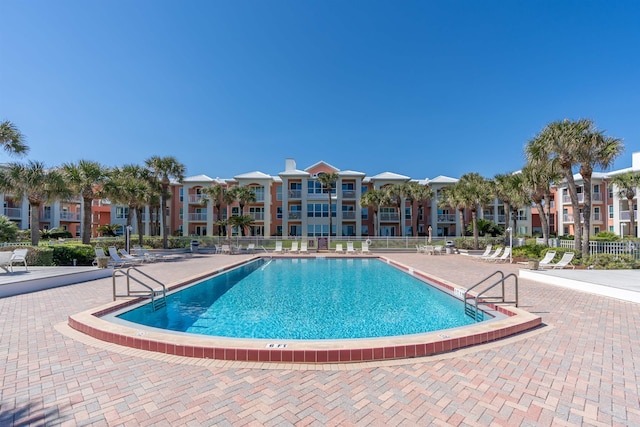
243	195
215	194
412	192
328	181
476	192
558	142
11	140
38	184
242	222
163	169
627	185
130	185
372	199
595	149
85	178
510	190
394	196
452	197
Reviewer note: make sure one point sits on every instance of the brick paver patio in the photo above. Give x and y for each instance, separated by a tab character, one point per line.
581	368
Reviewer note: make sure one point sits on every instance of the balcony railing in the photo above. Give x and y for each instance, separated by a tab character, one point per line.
348	194
295	194
595	197
69	216
494	218
348	214
389	217
13	212
196	198
295	215
201	217
446	218
624	215
257	216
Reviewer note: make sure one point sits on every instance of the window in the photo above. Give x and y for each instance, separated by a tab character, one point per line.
365	230
122	212
348	230
279	192
596	230
611	192
596	213
259	192
610	211
407	213
279	212
315	187
320	210
181	194
235	211
181	213
365	213
363	189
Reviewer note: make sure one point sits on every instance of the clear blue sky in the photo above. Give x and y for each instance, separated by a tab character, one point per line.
420	88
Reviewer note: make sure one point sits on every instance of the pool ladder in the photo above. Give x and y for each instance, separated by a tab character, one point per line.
471	301
157	296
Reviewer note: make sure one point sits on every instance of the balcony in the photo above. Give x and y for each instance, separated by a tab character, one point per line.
389	217
198	217
69	216
14	213
196	198
349	215
595	197
257	216
348	194
294	215
295	194
446	217
624	215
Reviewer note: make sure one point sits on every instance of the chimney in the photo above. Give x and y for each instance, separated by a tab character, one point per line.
290	165
635	161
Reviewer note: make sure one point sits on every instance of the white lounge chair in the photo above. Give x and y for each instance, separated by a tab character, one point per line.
5	260
294	247
339	249
117	260
548	257
350	249
503	258
19	256
494	255
251	247
564	261
487	251
278	248
134	259
303	248
429	250
437	250
225	249
365	248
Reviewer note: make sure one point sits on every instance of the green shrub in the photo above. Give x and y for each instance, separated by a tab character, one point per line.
606	236
8	229
40	256
612	262
63	255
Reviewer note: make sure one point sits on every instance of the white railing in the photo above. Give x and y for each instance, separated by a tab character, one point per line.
446	217
348	194
257	216
198	217
389	217
196	198
13	212
295	215
69	216
348	215
624	215
612	248
295	194
595	197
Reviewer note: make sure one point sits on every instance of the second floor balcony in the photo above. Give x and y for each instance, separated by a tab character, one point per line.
294	215
13	212
348	194
295	194
625	215
446	217
349	215
196	198
388	216
69	216
257	216
198	217
495	218
595	197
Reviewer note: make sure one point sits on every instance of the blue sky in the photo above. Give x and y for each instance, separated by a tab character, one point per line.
420	88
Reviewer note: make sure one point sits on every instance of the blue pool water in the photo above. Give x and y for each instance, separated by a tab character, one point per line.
307	299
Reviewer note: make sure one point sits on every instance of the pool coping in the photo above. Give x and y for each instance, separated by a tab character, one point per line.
515	321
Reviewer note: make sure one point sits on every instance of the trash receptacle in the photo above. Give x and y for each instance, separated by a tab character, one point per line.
449	246
194	246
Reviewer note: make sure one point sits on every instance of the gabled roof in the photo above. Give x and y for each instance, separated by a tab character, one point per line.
322	163
351	173
441	179
253	175
198	178
390	176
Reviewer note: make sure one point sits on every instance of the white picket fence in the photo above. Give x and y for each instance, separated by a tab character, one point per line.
612	248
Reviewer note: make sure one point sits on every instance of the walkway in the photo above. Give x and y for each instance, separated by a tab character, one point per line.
581	368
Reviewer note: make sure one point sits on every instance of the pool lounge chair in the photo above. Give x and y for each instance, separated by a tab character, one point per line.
19	256
5	260
487	251
278	249
251	248
126	255
546	261
365	248
503	258
494	255
339	249
303	248
294	247
350	249
564	262
438	250
117	260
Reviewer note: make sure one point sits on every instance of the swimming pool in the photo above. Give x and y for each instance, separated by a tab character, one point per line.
334	298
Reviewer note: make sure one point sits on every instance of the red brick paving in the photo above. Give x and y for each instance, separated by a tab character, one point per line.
581	369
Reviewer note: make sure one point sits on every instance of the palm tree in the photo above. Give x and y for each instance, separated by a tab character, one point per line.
627	185
372	199
595	149
243	195
451	197
393	196
163	169
130	185
38	184
475	192
558	142
243	222
215	194
328	181
85	178
414	191
510	190
11	139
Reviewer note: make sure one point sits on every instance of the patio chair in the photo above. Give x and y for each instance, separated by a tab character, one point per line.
5	260
278	249
350	249
117	260
365	248
548	257
126	255
429	250
487	251
339	249
564	262
251	247
19	256
294	247
225	249
303	248
494	255
503	258
437	250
